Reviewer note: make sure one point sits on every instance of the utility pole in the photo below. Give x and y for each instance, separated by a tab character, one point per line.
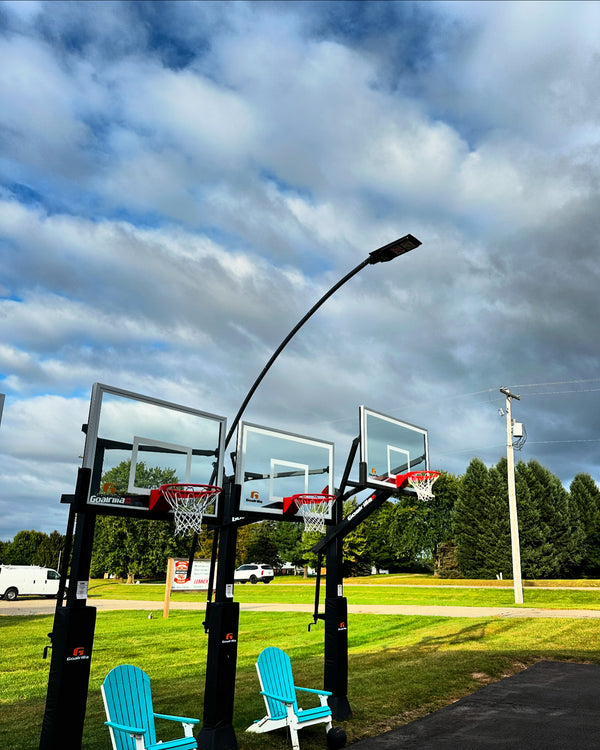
512	499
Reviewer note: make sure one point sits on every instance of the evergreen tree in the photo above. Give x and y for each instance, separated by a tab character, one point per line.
470	520
559	553
496	537
530	533
585	498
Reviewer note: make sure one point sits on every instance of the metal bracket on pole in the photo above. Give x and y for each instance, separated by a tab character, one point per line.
316	615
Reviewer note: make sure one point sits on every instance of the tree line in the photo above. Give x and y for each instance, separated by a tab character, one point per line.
33	548
464	531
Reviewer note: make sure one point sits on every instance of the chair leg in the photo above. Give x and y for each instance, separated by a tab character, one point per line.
294	738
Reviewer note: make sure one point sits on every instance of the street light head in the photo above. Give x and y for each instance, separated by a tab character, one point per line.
394	249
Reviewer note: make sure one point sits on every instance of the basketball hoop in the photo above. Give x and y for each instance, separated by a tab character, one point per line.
314	509
420	481
189	502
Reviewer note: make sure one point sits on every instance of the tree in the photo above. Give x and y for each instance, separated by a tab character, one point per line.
23	548
355	555
418	528
244	538
446	563
49	551
262	547
130	547
309	558
470	520
531	540
585	498
378	534
288	538
496	537
33	548
559	552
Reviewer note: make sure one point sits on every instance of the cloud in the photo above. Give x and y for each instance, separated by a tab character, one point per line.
181	182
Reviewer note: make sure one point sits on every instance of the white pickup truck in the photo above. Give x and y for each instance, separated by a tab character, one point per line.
24	580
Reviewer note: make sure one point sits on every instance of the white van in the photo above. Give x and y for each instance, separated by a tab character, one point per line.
23	580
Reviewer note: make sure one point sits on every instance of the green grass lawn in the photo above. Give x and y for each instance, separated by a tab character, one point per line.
377	591
400	667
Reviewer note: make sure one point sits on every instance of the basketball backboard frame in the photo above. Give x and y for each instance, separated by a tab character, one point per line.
124	425
389	447
272	464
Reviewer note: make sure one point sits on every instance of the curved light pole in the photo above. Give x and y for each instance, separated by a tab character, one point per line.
222	615
381	255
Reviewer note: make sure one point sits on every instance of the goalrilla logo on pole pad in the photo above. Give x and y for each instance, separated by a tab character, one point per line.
229	638
78	654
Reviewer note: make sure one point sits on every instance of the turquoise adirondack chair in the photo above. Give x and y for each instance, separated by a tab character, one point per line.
278	689
128	704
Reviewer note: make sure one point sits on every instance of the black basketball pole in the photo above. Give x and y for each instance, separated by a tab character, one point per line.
72	638
336	604
336	627
222	624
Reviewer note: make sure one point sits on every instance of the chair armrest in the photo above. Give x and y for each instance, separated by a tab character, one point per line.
276	697
182	719
124	728
311	690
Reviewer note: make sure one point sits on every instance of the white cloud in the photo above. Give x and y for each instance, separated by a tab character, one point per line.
172	204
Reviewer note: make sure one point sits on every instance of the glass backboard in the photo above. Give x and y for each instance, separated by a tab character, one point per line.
389	447
272	464
135	443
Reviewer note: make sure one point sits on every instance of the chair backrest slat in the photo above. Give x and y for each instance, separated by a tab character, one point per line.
128	700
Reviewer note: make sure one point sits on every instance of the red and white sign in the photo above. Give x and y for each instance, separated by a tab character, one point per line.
199	577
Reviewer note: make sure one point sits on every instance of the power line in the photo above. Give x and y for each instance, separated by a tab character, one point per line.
558	382
555	393
578	440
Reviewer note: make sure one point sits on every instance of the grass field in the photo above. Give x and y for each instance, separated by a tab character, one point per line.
400	667
379	590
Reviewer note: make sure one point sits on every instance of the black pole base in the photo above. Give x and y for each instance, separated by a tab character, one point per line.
336	656
68	680
220	738
340	707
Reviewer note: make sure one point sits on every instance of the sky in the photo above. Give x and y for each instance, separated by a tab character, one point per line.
180	182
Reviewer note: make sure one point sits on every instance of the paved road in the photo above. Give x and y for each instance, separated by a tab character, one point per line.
46	607
550	706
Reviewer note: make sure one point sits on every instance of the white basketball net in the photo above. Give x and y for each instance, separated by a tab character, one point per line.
314	510
422	483
189	502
